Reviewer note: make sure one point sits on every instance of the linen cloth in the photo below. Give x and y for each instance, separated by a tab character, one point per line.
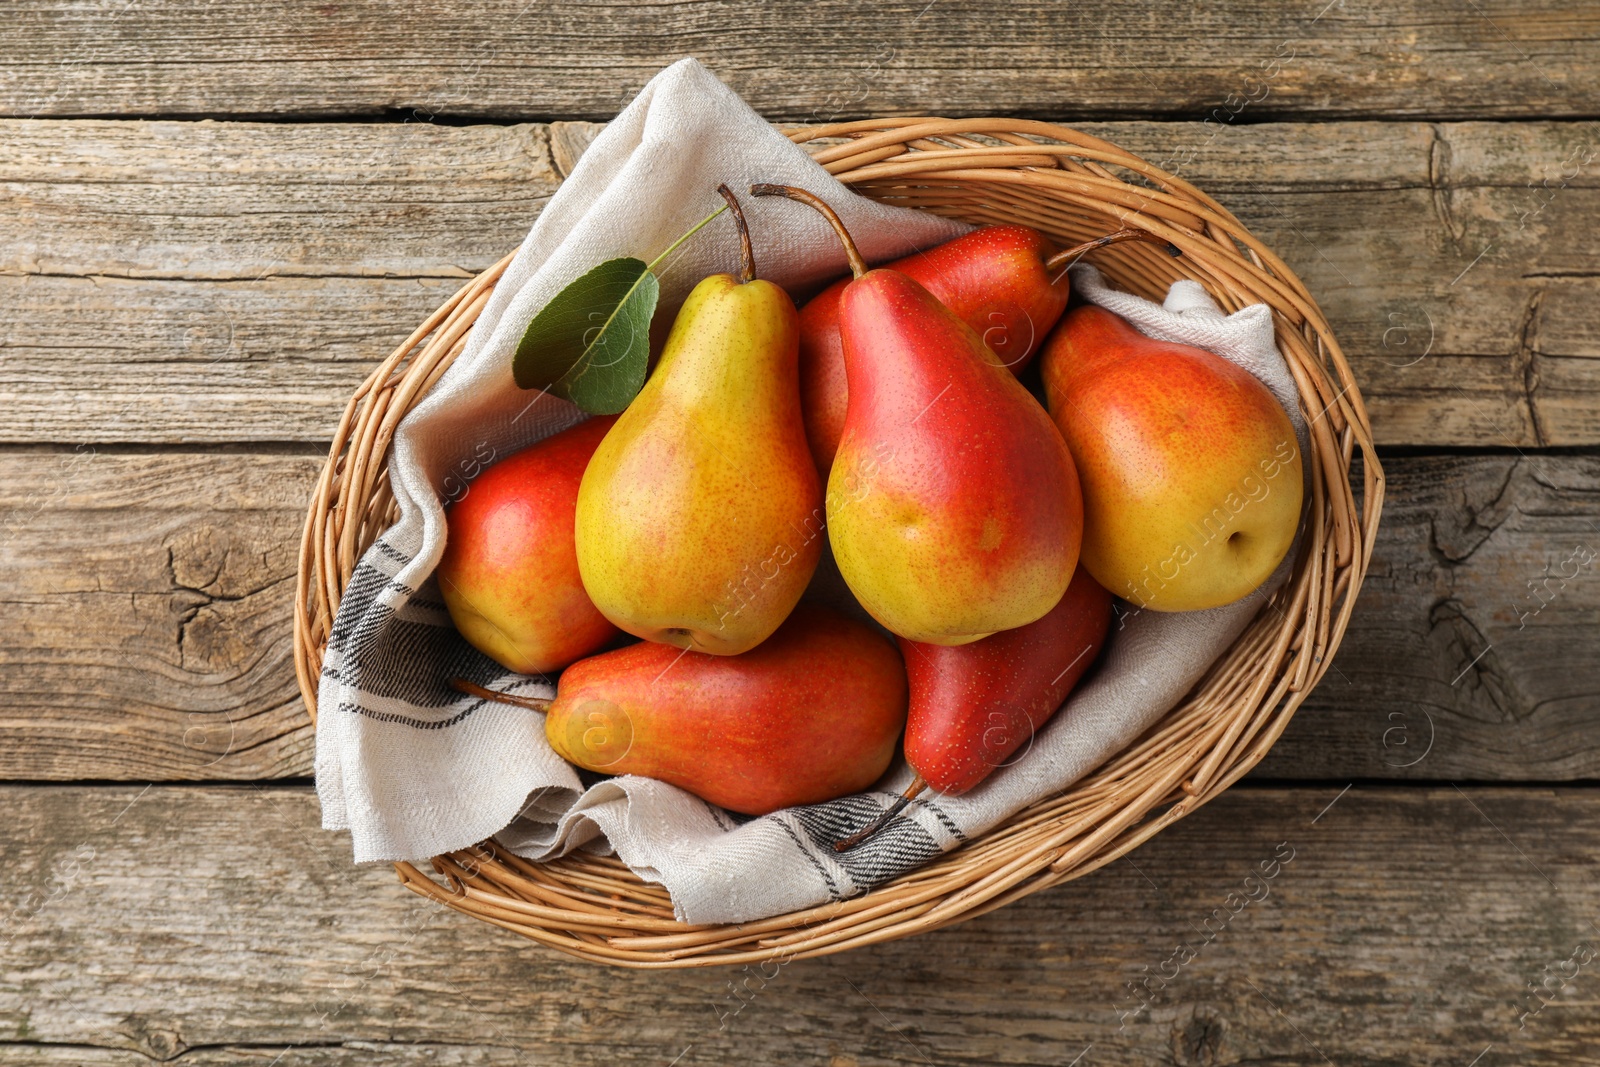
412	768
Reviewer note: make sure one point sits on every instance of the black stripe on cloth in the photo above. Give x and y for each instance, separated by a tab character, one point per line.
379	652
434	724
393	553
366	583
816	864
406	720
414	662
944	820
893	850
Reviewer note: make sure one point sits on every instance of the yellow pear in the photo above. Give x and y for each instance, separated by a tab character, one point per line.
699	519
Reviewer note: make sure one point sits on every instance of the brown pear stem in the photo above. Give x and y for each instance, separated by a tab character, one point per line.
858	266
1072	255
918	784
461	685
747	256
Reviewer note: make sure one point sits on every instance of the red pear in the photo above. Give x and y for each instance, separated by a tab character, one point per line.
953	507
810	714
974	706
1006	282
509	574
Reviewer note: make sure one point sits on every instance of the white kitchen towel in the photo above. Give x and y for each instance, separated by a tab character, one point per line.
411	768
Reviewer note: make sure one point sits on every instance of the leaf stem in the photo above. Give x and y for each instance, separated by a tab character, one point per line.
651	266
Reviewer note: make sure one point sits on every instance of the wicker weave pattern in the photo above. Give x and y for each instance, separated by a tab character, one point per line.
1073	187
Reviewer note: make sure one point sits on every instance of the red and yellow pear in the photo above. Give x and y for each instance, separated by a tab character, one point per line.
953	507
1191	470
810	714
699	521
1007	282
509	574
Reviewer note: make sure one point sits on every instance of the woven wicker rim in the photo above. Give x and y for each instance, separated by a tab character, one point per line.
1073	187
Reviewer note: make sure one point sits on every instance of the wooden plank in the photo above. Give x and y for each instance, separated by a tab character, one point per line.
219	282
102	359
233	201
145	629
173	282
508	59
147	613
1472	646
222	925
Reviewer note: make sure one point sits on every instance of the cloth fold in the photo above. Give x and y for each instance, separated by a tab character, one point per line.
411	768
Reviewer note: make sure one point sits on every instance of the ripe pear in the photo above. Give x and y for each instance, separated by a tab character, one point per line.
974	706
1191	471
953	506
699	521
509	574
811	714
1007	282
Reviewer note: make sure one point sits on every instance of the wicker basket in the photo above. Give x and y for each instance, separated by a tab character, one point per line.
1073	187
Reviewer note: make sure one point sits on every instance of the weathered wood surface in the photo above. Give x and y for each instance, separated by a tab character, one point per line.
510	59
229	283
146	615
144	629
222	925
217	282
1475	646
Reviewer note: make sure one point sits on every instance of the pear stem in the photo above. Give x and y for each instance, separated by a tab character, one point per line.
858	266
1072	255
461	685
918	784
747	256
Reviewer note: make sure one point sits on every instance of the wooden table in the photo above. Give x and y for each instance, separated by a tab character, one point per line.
216	217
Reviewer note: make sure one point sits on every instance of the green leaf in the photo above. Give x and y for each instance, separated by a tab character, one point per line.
591	343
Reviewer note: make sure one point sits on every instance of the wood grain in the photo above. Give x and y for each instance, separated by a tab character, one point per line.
231	201
96	360
144	633
228	283
147	612
508	59
171	282
1472	644
222	925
